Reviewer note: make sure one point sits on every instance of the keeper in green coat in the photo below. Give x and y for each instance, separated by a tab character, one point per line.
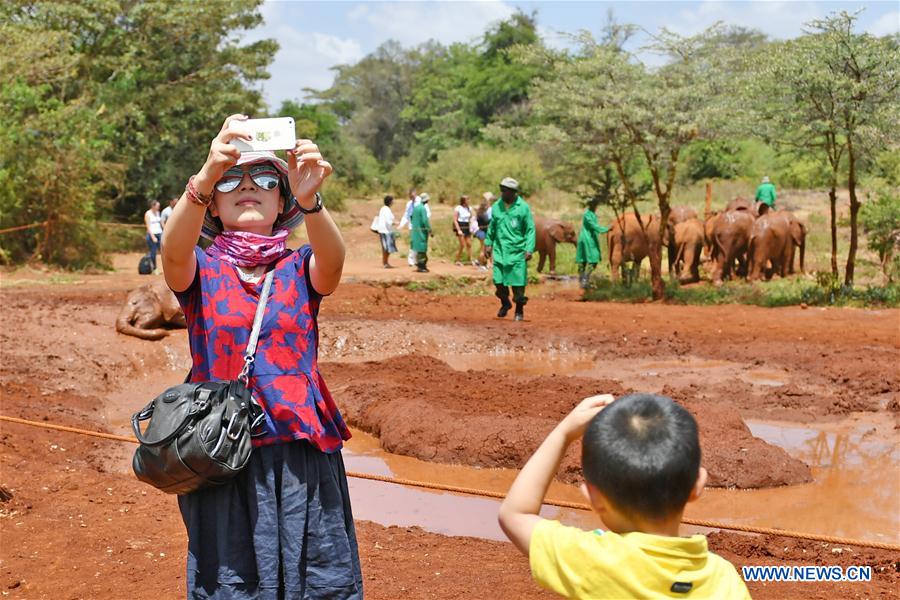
421	229
766	192
587	253
510	240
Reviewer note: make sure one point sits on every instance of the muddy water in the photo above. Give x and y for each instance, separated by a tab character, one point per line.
849	462
649	376
438	511
855	490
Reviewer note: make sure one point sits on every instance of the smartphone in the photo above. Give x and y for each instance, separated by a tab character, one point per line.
268	134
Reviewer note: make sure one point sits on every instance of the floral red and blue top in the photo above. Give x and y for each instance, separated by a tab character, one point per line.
219	308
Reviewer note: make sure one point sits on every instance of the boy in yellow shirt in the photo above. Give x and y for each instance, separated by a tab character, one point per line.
641	462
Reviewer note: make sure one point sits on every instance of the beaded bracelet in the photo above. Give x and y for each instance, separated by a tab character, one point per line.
195	196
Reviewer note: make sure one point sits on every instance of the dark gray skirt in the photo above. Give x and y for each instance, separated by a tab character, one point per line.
282	529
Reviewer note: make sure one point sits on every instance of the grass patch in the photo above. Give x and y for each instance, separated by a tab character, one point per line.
450	286
781	292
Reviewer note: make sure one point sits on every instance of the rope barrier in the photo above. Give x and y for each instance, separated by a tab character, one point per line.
21	227
111	224
499	495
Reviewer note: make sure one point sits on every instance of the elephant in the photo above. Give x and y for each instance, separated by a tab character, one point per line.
755	208
548	233
770	241
730	238
688	246
637	244
147	309
798	239
708	245
678	214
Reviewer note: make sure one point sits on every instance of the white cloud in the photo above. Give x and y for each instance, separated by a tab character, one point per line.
888	24
412	23
304	60
777	19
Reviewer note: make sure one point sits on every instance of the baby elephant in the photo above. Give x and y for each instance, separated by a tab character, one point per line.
688	247
548	233
632	245
147	309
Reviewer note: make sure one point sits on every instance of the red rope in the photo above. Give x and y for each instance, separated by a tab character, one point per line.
21	227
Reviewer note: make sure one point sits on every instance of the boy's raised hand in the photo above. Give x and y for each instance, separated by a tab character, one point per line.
574	424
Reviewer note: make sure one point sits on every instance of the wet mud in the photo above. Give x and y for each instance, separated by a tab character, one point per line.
795	384
419	406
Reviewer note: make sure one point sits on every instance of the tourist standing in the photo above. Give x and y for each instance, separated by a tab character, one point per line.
153	225
385	229
462	216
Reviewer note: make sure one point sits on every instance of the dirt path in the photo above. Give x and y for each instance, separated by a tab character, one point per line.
77	525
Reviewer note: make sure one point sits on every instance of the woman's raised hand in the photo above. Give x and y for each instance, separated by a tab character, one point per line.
223	155
306	171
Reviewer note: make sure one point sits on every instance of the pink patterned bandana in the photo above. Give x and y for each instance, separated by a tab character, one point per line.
246	249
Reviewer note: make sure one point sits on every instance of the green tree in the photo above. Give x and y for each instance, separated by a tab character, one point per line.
603	104
369	96
137	87
832	92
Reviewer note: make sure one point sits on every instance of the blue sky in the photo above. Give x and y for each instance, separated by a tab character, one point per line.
315	36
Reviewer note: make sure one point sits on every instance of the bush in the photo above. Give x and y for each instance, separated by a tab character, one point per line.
475	169
880	219
780	292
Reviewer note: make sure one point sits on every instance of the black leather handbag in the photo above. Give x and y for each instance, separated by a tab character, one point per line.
200	433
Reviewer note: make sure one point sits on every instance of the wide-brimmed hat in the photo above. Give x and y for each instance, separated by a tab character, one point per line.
424	198
488	197
510	183
289	219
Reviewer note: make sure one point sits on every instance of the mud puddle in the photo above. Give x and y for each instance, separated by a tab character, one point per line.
437	511
852	496
855	490
649	376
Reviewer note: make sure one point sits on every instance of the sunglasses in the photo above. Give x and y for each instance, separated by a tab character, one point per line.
265	176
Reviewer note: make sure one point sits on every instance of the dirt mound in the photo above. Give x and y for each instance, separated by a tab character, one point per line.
419	406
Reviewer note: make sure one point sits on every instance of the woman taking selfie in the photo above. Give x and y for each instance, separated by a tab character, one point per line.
282	528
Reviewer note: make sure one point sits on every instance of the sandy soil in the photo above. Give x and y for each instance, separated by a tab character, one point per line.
75	524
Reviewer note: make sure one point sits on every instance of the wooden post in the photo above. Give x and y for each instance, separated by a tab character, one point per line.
708	210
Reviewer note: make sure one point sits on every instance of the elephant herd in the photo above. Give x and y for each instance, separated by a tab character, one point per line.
746	239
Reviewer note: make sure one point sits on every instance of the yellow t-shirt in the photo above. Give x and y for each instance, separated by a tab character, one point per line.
582	564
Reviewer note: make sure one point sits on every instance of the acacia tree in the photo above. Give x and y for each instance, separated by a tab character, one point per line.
603	103
832	92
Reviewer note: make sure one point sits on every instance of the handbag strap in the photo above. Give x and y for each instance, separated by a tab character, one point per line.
244	376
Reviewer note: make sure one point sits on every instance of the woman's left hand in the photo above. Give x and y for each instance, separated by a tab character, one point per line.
306	171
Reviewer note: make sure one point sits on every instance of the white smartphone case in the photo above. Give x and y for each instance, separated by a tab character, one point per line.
268	134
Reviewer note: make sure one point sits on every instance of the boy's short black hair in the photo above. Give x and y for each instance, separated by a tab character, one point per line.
643	453
388	200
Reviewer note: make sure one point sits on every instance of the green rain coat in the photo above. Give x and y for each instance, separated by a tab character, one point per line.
766	193
588	249
421	228
510	235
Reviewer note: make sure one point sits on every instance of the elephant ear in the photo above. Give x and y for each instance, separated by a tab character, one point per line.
558	233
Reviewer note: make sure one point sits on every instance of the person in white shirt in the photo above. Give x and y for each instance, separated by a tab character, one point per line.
152	220
462	217
385	229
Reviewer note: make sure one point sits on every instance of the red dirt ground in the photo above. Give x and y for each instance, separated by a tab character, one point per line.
77	525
